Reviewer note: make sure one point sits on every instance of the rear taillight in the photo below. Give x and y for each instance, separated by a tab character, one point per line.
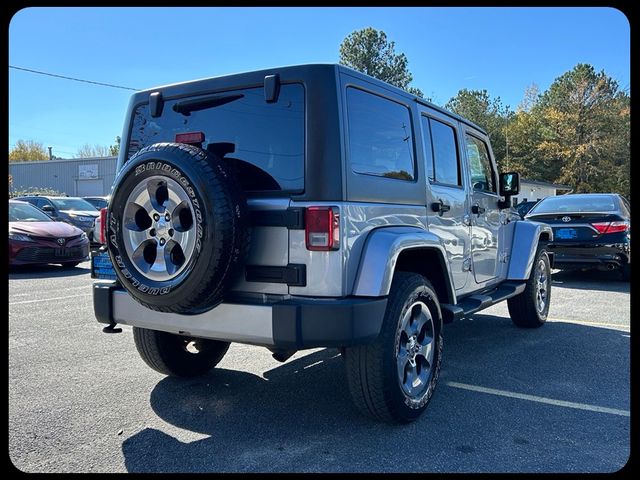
103	226
322	228
611	227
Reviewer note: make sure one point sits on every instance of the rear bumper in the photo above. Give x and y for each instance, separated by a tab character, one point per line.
294	324
590	255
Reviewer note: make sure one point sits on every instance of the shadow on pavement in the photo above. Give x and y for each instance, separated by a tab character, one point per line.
603	280
299	417
29	272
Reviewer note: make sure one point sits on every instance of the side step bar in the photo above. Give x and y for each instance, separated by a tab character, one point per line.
475	303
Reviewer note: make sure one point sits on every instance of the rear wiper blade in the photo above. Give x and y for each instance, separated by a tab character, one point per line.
188	106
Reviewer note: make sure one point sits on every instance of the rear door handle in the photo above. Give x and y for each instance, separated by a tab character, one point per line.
477	209
440	207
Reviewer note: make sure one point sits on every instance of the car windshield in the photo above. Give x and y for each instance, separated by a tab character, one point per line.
72	204
25	212
574	204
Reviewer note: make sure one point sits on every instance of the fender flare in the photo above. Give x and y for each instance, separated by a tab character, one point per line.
382	248
526	237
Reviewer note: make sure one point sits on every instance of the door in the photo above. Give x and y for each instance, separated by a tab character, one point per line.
447	200
485	214
87	188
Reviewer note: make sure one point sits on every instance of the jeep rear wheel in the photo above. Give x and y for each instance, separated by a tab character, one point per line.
176	355
530	308
394	378
177	228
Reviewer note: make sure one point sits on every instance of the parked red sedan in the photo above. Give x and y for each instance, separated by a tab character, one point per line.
34	238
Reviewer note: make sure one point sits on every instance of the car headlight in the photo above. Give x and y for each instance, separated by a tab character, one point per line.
20	237
80	218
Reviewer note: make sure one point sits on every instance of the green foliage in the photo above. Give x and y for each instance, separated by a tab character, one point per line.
114	149
488	113
28	150
368	51
577	132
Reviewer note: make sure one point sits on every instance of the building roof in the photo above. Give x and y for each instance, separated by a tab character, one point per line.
65	160
545	184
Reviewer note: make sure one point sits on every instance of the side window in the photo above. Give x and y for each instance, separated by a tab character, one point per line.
480	165
380	136
443	165
40	202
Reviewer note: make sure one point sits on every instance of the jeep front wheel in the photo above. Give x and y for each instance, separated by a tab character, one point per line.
394	378
530	308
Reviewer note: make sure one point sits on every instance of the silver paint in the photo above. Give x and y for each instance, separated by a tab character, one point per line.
523	250
384	245
250	324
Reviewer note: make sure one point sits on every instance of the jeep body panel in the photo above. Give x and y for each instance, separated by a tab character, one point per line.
526	236
381	252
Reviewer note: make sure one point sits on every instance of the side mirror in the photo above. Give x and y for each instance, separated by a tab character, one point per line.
48	209
509	184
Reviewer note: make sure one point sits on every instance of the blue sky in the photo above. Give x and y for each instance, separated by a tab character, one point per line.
502	50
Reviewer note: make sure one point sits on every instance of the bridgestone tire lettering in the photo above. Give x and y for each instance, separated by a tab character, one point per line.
220	224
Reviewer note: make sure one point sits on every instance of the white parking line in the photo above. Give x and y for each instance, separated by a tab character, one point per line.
85	287
595	324
534	398
50	299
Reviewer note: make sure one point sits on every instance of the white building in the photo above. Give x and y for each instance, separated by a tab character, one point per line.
533	190
74	177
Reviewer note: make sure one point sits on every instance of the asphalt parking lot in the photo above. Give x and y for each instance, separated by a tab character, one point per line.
554	399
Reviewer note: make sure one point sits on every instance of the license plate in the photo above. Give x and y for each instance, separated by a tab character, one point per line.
101	266
566	233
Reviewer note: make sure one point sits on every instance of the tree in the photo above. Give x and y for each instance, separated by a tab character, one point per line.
531	97
27	150
114	149
488	113
368	51
586	131
87	151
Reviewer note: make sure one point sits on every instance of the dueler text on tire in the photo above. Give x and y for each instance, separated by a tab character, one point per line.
177	230
394	378
531	307
176	355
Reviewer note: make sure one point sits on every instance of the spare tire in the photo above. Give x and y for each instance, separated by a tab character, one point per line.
177	228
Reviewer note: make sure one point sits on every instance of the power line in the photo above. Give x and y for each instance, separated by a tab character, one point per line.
75	79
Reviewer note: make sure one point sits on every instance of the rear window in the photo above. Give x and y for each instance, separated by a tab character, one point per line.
263	141
574	204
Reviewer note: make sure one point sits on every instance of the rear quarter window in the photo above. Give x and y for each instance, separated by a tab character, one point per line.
380	136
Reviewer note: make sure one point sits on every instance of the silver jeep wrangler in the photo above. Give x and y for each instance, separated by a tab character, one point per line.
311	206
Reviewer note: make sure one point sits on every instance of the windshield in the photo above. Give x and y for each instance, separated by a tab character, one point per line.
25	212
574	204
72	204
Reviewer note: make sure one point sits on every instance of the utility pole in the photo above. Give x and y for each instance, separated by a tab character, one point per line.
50	154
506	135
